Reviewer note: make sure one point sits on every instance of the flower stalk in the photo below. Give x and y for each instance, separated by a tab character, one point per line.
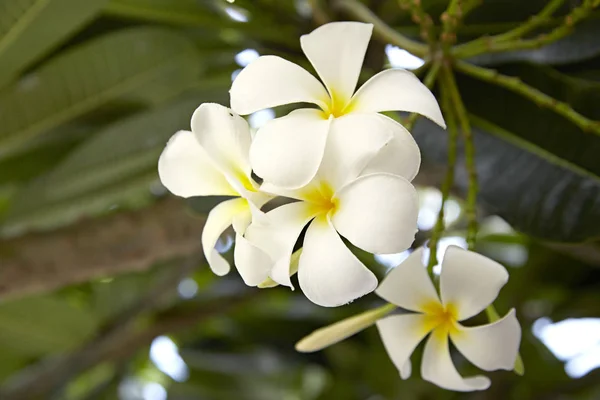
518	86
381	29
511	41
440	226
449	83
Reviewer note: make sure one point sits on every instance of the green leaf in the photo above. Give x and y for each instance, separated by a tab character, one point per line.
32	28
136	66
536	169
118	163
37	326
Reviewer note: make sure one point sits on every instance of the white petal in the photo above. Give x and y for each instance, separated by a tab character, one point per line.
277	234
400	335
492	346
186	170
337	50
401	156
437	367
397	90
271	81
406	370
252	263
353	141
408	285
287	151
325	337
470	281
225	137
329	274
378	213
219	219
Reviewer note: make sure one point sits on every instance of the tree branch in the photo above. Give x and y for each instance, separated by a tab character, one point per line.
499	43
541	99
123	242
381	29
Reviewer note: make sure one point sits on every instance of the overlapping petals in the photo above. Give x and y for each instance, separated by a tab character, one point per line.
212	160
376	212
469	282
336	51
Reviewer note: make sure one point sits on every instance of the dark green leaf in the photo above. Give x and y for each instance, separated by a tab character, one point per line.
31	28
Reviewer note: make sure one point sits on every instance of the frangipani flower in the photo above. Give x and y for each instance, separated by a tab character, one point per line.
469	282
287	151
212	160
352	195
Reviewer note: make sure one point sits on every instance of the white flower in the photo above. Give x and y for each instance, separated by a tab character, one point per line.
288	151
469	282
352	195
212	160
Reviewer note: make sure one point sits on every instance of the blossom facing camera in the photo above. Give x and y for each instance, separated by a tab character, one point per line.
212	160
469	282
352	196
287	151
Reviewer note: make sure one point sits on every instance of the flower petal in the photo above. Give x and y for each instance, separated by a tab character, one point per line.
337	50
334	333
408	285
186	170
271	81
397	90
400	335
219	219
437	367
329	274
470	281
287	151
406	369
226	138
277	233
353	141
492	346
252	263
378	213
401	156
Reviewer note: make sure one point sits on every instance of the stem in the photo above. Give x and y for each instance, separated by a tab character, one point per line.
461	113
319	14
381	29
451	18
499	44
429	81
421	18
534	22
516	85
439	227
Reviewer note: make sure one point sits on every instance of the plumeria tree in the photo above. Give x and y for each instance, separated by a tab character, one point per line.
328	151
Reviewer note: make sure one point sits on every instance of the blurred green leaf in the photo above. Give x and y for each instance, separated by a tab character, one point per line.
29	29
536	169
92	177
35	326
141	65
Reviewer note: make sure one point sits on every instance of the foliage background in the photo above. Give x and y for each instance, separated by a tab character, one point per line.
93	252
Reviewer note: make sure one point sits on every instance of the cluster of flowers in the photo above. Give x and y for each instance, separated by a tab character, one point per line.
348	170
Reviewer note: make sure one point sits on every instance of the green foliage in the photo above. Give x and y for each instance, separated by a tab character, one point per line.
90	91
29	29
36	326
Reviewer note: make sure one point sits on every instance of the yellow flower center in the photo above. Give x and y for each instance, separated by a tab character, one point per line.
335	106
440	318
322	198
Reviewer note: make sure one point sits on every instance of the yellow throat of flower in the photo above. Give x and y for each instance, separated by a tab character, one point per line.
322	198
336	106
440	318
